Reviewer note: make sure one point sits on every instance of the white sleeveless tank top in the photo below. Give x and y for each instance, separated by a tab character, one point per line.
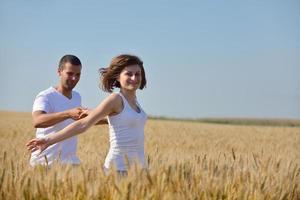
126	137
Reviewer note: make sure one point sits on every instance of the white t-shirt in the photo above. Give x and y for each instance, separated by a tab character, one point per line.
52	101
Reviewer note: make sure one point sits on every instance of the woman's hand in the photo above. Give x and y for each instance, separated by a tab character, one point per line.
38	144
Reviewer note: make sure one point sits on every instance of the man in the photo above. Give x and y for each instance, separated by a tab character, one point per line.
54	109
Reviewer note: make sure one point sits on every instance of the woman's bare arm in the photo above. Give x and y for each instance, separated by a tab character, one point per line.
111	104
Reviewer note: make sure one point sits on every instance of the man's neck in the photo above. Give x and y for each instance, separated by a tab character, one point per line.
63	91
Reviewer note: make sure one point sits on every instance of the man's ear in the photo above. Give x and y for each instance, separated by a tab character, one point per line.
59	71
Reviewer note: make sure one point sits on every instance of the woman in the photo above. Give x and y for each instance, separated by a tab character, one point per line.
125	116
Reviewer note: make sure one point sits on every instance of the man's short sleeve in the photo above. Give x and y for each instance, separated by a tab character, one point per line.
41	103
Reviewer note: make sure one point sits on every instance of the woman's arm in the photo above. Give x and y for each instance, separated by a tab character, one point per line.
112	104
88	112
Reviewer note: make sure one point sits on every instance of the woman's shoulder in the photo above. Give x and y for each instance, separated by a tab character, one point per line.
114	98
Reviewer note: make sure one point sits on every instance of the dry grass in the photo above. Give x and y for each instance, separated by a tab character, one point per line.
187	160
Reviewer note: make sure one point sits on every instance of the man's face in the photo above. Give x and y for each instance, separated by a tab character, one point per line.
69	75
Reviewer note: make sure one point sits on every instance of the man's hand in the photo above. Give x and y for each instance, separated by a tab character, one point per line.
77	113
84	113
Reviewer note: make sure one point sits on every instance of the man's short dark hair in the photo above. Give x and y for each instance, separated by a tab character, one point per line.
69	59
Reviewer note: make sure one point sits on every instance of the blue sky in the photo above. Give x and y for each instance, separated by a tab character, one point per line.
202	58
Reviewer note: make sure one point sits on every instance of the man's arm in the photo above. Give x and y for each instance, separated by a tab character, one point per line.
41	119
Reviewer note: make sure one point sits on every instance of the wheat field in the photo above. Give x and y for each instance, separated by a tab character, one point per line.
187	160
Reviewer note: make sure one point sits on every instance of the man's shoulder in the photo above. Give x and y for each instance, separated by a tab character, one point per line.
47	92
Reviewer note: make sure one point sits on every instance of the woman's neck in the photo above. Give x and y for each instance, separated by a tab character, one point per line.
129	95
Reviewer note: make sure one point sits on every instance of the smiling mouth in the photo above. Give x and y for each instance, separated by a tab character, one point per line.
69	83
134	84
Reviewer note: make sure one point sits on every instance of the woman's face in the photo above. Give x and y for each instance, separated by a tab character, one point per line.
130	77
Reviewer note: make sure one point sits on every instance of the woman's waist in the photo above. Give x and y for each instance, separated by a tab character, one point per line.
133	138
125	149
